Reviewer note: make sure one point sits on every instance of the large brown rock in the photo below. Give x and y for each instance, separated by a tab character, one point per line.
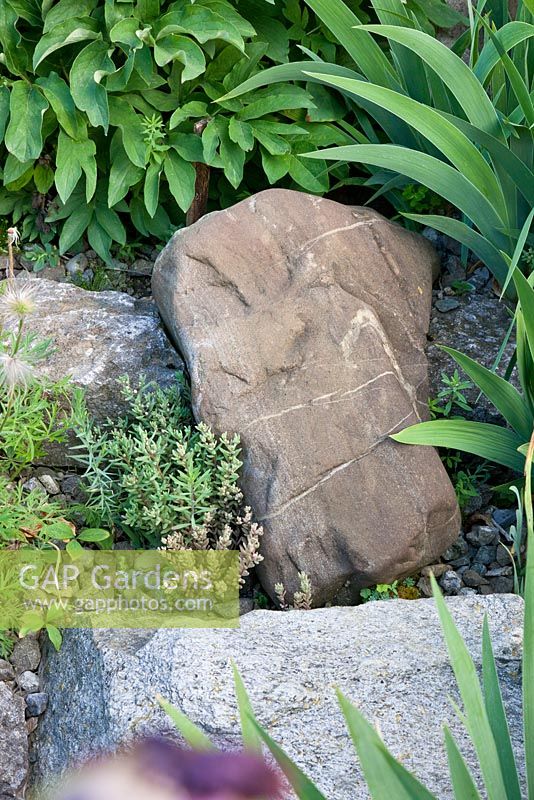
303	324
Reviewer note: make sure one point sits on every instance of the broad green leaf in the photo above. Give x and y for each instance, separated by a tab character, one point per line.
110	222
66	10
74	548
427	170
497	717
181	177
93	535
187	145
251	738
15	169
99	240
198	21
300	783
15	56
72	30
123	116
454	73
191	733
72	158
151	187
274	144
231	155
269	102
479	438
74	227
54	634
25	176
4	110
241	133
385	777
438	130
502	394
87	71
478	244
179	48
194	109
476	717
57	92
288	72
123	174
275	167
125	32
311	177
462	781
23	137
43	175
227	11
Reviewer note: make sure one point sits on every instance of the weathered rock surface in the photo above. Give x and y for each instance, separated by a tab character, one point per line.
98	337
387	657
303	323
13	745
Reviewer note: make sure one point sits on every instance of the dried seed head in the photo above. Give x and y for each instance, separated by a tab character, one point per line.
14	371
13	236
17	301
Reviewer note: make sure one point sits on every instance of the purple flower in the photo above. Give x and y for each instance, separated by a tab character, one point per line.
209	774
158	769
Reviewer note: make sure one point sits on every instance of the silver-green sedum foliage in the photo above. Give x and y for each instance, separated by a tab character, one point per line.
165	481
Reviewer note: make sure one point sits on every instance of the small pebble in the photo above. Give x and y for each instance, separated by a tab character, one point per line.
459	548
481	535
503	585
464	561
447	304
503	556
504	517
33	485
450	582
435	569
49	483
466	590
478	567
76	265
36	704
7	672
498	572
486	554
26	655
31	725
473	579
28	681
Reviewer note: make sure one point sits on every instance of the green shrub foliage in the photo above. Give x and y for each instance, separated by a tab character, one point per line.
165	481
100	102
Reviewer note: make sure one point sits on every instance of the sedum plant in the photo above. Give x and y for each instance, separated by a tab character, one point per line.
483	715
165	481
463	130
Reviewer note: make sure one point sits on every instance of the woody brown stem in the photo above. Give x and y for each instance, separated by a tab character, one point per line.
202	184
